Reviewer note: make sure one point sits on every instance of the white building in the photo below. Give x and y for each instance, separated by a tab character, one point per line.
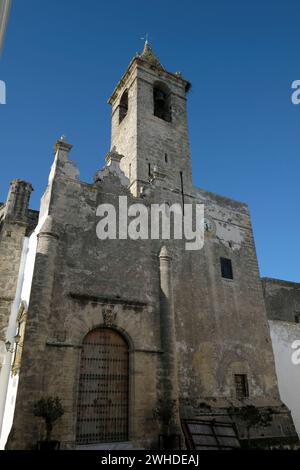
283	308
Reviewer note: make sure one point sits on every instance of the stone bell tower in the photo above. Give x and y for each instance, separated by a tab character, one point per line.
149	124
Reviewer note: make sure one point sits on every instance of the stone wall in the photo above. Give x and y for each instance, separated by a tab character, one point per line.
282	299
189	330
16	221
286	345
220	324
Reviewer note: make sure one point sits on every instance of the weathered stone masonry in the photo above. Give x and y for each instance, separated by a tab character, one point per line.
189	330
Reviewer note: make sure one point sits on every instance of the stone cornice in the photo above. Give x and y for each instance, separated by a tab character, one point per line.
107	300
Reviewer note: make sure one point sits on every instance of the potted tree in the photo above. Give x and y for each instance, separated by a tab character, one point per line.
252	417
50	409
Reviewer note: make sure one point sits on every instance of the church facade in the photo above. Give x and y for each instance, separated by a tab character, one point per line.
136	337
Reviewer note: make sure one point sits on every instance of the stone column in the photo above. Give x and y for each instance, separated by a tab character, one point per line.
43	279
171	395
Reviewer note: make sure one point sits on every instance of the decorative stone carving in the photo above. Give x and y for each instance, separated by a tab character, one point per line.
19	338
112	166
109	317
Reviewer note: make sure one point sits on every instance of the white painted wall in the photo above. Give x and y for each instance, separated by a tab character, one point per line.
287	362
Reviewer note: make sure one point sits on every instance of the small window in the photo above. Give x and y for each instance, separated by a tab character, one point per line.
123	107
297	317
166	158
241	386
226	268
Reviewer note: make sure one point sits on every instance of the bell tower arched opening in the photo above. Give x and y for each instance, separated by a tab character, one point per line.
162	102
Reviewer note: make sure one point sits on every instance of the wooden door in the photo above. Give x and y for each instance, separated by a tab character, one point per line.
102	414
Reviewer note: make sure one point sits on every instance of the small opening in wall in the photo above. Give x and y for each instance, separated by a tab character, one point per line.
8	234
297	318
166	157
241	386
226	268
182	190
149	170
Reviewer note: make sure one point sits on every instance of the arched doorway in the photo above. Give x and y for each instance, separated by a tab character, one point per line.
102	413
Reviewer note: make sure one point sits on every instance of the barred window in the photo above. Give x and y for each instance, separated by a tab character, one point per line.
241	386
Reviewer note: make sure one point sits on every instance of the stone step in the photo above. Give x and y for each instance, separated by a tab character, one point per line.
108	446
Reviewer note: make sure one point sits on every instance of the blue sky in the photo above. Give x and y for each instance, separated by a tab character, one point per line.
62	59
